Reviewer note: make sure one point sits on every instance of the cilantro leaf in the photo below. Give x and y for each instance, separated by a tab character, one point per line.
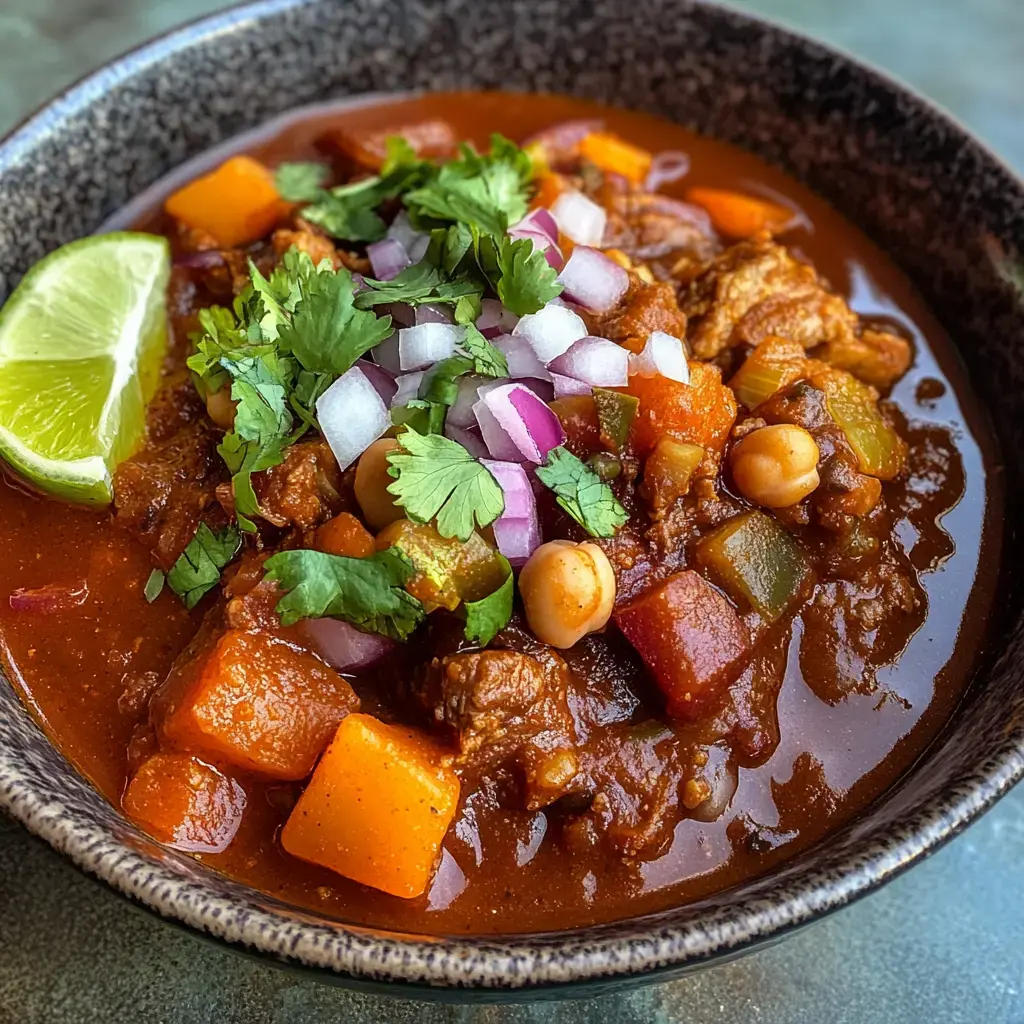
582	493
486	618
488	361
527	282
300	182
197	570
326	332
488	191
437	477
154	585
367	592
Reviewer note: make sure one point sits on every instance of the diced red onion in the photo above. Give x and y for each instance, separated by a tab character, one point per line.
580	218
665	168
460	413
204	259
351	415
426	344
469	439
412	241
554	258
516	530
401	313
560	141
448	884
388	258
49	599
522	360
537	222
543	389
429	313
498	444
565	387
597	361
492	314
380	378
551	330
359	283
408	388
385	354
525	420
344	647
593	280
662	355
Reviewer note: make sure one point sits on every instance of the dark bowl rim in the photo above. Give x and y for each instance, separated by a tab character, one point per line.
554	963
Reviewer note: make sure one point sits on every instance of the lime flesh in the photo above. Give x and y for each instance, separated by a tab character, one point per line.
82	340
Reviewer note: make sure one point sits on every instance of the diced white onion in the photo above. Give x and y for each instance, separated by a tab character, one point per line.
565	387
593	280
408	388
520	356
662	355
516	531
580	218
352	415
380	378
551	330
597	361
425	344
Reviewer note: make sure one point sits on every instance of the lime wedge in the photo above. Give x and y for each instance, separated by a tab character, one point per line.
82	340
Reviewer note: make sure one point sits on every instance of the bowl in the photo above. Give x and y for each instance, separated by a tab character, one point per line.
943	207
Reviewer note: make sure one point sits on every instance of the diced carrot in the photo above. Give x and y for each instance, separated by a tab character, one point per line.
701	412
345	535
616	156
691	640
185	803
261	704
738	215
237	203
549	188
377	808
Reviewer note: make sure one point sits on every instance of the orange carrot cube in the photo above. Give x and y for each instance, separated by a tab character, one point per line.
377	808
261	704
345	535
616	156
738	215
237	203
185	803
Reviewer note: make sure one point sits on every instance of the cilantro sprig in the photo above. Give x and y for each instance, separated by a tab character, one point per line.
436	477
367	592
582	493
197	570
487	617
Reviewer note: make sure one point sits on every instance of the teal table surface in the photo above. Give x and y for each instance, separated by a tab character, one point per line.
943	943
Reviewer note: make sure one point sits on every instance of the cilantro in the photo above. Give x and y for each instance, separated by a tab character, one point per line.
527	282
368	592
488	361
437	477
154	585
486	618
487	192
301	182
582	493
198	568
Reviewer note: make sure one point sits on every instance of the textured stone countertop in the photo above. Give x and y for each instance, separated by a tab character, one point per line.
944	943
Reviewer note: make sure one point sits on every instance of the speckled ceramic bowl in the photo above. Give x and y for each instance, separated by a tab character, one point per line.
945	209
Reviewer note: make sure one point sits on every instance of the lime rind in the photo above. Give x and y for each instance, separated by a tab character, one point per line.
81	343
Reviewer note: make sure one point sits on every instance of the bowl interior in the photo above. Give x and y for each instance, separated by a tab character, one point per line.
944	209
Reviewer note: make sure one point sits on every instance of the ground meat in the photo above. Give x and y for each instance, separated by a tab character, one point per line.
757	289
305	490
161	493
645	308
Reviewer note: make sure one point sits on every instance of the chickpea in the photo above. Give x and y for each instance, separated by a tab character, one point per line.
568	591
372	482
220	407
776	466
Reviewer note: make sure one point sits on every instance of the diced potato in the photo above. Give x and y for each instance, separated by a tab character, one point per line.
377	808
757	562
345	535
185	803
237	203
691	640
668	470
701	412
261	704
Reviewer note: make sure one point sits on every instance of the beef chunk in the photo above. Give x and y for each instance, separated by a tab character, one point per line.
367	148
305	490
876	357
645	308
757	289
647	226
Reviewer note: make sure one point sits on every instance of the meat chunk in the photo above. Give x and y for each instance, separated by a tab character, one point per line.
645	308
757	289
504	705
647	226
161	493
306	239
430	140
876	357
305	490
691	640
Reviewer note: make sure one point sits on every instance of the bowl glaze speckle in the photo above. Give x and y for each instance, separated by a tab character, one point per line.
943	207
